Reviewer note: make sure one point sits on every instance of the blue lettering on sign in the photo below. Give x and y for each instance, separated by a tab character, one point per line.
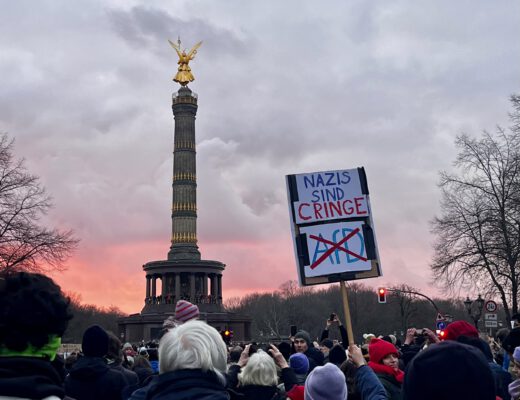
332	194
326	179
336	237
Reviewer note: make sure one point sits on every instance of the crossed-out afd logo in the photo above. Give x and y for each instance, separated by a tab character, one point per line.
335	248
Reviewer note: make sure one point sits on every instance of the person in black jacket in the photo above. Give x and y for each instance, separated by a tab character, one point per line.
114	359
91	377
331	321
192	364
34	314
302	344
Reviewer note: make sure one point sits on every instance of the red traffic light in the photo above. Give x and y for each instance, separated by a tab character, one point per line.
381	295
227	333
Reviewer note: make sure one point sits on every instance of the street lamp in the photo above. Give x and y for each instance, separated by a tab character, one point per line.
474	308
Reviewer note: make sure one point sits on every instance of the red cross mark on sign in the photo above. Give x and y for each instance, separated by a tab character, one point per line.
335	246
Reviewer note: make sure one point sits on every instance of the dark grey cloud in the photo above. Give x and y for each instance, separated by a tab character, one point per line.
284	87
147	28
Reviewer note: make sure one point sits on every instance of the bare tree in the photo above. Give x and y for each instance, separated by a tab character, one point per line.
403	295
478	231
24	243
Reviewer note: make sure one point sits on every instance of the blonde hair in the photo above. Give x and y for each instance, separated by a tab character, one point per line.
259	370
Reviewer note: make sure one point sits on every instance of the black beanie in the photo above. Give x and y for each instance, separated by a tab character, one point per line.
95	342
337	355
449	370
305	336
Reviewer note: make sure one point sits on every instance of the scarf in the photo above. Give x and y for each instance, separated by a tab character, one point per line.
48	351
385	369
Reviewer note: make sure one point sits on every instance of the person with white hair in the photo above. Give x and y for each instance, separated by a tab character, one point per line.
192	364
255	377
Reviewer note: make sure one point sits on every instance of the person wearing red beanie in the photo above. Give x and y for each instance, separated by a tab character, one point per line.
459	328
384	360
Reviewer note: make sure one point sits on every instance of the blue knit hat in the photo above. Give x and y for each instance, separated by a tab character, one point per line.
325	383
299	363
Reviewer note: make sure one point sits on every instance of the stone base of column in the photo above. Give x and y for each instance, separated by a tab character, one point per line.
184	251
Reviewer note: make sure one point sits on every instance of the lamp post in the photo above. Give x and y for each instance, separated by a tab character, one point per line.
474	308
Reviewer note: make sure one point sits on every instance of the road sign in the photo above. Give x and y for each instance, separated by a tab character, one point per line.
491	317
441	325
491	324
491	306
440	317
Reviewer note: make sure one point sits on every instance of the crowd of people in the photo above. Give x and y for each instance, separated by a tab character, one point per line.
192	361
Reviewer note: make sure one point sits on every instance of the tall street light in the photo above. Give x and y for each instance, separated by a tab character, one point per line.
474	309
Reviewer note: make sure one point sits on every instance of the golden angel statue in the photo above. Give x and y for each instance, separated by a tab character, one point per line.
184	75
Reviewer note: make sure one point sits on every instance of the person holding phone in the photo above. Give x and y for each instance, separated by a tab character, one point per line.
331	321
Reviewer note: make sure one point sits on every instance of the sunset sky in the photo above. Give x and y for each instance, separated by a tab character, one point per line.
284	87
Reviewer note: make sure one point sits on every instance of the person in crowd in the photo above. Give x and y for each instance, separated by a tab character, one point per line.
502	378
450	371
143	369
128	355
460	328
285	348
303	344
234	354
510	343
70	361
192	364
255	376
153	356
91	377
500	355
114	359
337	355
384	361
331	321
366	385
414	341
326	383
367	337
185	311
300	365
514	387
325	346
34	316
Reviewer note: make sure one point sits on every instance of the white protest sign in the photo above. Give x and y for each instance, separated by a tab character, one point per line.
329	195
335	248
332	226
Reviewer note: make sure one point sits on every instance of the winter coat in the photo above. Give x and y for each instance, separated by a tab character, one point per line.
187	384
368	385
130	376
316	358
392	387
29	378
91	378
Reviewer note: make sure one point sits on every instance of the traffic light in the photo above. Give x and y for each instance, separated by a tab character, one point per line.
441	334
381	295
227	335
